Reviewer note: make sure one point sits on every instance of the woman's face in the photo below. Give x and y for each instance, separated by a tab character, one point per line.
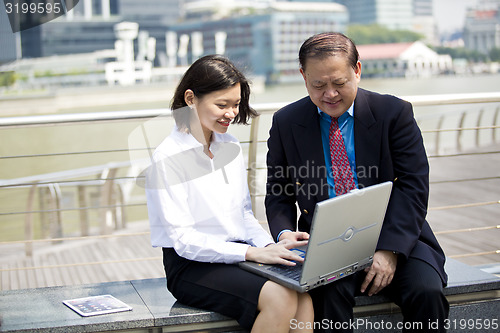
216	110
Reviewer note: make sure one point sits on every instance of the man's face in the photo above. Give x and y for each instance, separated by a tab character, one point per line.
332	83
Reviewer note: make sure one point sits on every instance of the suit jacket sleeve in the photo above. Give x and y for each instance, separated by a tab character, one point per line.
280	196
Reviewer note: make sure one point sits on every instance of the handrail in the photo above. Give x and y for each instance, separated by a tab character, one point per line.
473	254
59	210
454	231
420	100
55	119
77	238
448	99
63	175
475	204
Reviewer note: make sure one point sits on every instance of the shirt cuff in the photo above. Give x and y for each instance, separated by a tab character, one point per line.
282	231
263	241
236	252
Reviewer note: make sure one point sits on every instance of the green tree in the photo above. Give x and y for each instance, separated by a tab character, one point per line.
462	53
377	34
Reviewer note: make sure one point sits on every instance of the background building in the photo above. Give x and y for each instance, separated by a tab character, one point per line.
262	37
409	60
88	27
482	27
10	44
412	15
393	14
424	22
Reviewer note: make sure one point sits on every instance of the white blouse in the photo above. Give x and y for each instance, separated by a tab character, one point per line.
200	206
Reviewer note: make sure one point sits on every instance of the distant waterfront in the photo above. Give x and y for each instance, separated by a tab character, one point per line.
397	86
139	97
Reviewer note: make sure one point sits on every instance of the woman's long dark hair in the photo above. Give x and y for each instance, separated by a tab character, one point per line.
206	75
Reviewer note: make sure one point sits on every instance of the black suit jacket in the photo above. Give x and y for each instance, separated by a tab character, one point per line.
388	147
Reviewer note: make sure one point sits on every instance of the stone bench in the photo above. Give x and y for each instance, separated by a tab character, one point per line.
473	295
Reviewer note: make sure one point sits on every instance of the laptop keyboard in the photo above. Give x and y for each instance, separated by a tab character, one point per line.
292	272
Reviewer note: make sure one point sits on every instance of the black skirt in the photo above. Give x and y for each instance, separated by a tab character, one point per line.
223	288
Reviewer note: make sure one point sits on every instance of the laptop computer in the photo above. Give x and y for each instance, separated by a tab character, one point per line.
343	239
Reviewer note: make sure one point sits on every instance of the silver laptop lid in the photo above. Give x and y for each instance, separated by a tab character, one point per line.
348	232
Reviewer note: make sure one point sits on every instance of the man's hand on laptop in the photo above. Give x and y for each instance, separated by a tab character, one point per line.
278	253
381	272
294	236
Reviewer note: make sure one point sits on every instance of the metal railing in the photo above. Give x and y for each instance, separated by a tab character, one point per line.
114	180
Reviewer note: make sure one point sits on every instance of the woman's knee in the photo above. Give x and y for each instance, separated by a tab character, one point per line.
305	308
305	300
279	298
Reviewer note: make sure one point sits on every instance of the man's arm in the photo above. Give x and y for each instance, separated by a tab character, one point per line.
280	198
408	205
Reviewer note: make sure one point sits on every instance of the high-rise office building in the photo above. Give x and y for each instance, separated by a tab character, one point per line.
393	14
481	31
491	4
422	8
165	11
412	15
10	48
89	9
423	20
89	26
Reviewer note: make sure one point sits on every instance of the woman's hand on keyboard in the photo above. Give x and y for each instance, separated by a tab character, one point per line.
278	253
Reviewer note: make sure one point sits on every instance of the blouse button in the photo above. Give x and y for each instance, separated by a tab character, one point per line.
306	211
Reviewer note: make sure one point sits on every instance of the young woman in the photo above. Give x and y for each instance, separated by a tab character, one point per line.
200	212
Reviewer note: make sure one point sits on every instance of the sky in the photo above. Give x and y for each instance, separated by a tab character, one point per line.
450	14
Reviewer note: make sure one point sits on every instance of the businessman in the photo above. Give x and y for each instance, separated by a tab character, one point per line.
342	137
